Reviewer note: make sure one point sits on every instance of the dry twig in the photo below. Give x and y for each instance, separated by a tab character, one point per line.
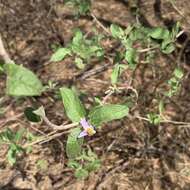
3	53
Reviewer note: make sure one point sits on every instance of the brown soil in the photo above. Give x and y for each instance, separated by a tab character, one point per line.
135	155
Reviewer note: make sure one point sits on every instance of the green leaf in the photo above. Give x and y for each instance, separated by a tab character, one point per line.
22	82
31	116
81	173
60	54
19	134
118	69
131	56
128	29
73	147
86	48
12	153
1	68
93	166
81	7
117	32
136	35
161	106
178	73
84	7
154	118
105	113
168	49
175	30
7	135
11	156
78	37
73	106
79	63
159	33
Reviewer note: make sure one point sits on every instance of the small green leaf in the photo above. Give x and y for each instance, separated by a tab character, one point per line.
81	7
159	33
21	81
178	73
105	113
128	29
30	115
136	35
86	48
81	173
93	166
60	54
168	49
118	69
117	32
131	56
73	147
78	37
19	134
175	30
1	68
73	106
161	106
7	135
79	63
11	156
12	153
154	118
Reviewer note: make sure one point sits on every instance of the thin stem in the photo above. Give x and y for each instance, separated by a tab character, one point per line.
58	127
100	24
147	49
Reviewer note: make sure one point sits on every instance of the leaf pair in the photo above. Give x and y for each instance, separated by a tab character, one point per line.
84	164
167	37
83	49
75	111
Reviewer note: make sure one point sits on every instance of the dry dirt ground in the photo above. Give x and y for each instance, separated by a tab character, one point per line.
134	154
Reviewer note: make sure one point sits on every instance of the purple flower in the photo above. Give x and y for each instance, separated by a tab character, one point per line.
88	129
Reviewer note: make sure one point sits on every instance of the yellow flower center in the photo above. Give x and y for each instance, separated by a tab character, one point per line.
90	131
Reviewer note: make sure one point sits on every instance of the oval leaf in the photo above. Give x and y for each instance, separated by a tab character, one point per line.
159	33
73	106
73	147
168	49
117	32
31	116
101	114
21	81
131	56
81	173
60	54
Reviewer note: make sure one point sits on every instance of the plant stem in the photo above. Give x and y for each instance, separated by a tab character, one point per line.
58	127
100	24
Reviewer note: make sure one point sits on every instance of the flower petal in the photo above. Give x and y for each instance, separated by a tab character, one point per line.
84	123
82	134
